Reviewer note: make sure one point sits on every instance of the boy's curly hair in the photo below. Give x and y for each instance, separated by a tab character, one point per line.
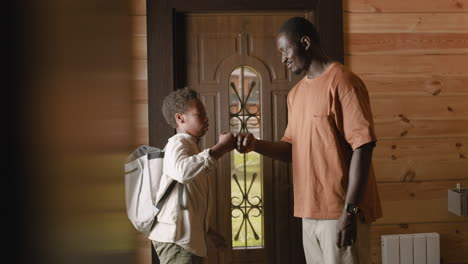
177	102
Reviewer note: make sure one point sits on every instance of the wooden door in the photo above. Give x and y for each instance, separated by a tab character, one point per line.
232	61
202	50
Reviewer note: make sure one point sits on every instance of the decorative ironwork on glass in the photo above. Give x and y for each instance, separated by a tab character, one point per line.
246	169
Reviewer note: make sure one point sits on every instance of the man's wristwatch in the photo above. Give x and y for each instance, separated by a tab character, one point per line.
351	208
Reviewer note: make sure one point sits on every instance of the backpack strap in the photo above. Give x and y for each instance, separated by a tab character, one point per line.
156	155
163	199
181	197
180	194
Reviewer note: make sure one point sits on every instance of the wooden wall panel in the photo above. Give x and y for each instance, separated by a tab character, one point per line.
433	22
421	160
138	7
430	84
412	55
406	43
424	129
409	107
139	69
420	116
139	79
377	6
408	64
140	100
140	91
138	25
141	125
415	202
139	50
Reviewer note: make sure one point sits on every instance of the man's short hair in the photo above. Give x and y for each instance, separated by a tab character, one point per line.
297	27
177	102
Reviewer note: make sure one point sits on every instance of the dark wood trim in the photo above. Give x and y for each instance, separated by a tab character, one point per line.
329	22
160	67
240	5
161	60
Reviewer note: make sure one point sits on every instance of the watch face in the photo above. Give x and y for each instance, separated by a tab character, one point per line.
351	208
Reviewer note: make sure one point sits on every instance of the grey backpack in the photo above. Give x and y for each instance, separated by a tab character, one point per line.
143	172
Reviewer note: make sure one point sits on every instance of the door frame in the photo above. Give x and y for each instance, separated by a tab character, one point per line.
161	16
161	42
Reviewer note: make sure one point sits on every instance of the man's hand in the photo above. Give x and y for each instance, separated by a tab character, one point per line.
246	143
346	230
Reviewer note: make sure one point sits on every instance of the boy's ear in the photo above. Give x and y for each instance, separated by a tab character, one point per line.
179	118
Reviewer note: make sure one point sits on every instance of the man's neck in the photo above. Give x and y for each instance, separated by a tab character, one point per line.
317	66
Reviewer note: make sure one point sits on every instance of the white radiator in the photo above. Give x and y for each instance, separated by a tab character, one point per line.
422	248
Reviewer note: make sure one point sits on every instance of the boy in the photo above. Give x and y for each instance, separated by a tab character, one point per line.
180	234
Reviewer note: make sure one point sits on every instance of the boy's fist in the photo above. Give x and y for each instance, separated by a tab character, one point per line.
227	140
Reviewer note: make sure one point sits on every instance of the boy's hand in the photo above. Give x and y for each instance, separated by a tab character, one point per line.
217	239
246	143
227	141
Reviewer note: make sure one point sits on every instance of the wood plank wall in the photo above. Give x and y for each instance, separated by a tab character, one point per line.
139	79
71	133
413	56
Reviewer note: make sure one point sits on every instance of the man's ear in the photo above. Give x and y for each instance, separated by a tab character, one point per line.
179	118
305	42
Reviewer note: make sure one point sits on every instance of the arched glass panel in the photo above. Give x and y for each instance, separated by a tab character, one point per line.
246	169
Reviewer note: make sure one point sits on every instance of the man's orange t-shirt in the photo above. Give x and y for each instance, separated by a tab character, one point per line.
328	117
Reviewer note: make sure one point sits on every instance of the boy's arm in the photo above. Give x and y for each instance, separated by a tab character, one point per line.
226	143
187	167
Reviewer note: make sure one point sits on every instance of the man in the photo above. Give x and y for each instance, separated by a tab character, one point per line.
329	139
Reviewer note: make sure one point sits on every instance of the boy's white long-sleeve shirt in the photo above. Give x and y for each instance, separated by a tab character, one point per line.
185	163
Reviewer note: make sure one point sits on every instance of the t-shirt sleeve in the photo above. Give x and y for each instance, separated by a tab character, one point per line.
358	122
287	137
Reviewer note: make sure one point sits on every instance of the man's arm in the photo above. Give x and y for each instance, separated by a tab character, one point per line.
358	175
359	172
276	150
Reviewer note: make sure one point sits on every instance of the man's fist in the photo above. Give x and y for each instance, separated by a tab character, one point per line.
246	143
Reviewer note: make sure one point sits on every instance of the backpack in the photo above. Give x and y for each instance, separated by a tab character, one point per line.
143	173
